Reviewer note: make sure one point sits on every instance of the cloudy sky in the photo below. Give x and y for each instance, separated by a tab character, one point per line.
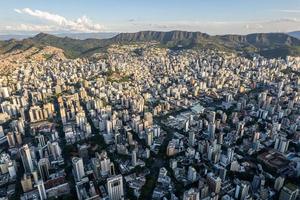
210	16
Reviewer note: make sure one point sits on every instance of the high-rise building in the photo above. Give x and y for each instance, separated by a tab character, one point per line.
41	189
279	181
133	158
36	114
214	183
107	167
212	116
115	187
54	149
11	139
222	173
1	132
211	130
44	166
256	182
83	151
220	138
230	154
26	158
48	110
109	128
191	138
18	138
4	92
241	190
192	174
11	169
118	138
191	194
35	176
148	119
289	192
130	138
78	168
149	138
41	140
63	114
26	183
281	144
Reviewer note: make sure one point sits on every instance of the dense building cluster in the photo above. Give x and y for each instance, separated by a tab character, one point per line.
145	122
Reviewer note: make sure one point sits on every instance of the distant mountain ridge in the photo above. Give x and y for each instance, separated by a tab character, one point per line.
295	34
80	36
163	37
254	39
266	44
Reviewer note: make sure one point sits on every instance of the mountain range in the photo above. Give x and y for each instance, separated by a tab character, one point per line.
295	34
266	44
80	36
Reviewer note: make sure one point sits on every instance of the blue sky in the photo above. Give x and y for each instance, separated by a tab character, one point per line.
211	16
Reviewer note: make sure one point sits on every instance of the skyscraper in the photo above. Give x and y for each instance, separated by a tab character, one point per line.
149	138
54	149
241	190
41	189
148	119
11	139
214	183
191	138
1	132
41	140
18	138
115	187
133	158
78	168
279	181
44	165
289	192
211	130
26	183
26	158
107	167
11	169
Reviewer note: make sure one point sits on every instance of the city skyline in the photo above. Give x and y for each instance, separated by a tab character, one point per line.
150	100
213	17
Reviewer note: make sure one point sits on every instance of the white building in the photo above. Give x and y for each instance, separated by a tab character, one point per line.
115	187
78	168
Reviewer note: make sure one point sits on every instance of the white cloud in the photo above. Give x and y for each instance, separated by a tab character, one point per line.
289	11
82	24
30	28
219	27
17	10
58	23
